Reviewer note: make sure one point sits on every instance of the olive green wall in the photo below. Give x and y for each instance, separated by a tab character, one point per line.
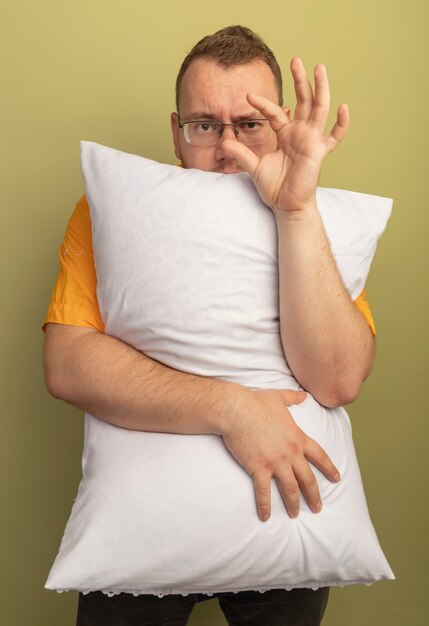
104	71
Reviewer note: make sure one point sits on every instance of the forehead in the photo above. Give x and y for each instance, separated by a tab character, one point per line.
208	87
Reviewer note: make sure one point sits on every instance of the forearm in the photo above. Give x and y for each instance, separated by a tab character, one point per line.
120	385
111	380
327	342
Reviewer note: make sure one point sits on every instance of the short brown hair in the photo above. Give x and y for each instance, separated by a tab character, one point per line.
233	45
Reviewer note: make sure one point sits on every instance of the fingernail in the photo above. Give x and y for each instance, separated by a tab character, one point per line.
337	477
318	507
265	517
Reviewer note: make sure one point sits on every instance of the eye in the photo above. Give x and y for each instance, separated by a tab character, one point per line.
250	125
205	128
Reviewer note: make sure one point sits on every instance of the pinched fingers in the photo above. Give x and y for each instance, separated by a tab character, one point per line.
246	159
271	111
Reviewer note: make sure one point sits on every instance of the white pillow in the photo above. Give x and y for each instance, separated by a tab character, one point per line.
188	273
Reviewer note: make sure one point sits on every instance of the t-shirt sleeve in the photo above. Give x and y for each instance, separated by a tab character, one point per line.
74	298
363	307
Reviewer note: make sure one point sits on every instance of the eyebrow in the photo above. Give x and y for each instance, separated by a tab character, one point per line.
203	115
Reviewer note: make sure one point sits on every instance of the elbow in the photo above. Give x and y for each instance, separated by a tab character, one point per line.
55	381
340	395
62	353
56	371
345	389
336	387
335	391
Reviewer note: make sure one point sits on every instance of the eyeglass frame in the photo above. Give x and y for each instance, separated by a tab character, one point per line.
214	121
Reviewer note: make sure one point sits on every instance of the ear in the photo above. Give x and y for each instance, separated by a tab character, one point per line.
174	121
286	111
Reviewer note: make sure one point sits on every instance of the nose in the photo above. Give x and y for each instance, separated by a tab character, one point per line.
227	163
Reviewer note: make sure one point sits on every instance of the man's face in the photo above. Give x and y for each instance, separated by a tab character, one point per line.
210	91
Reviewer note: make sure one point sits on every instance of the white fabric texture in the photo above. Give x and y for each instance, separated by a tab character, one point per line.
188	273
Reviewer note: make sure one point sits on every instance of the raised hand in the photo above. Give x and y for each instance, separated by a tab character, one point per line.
287	178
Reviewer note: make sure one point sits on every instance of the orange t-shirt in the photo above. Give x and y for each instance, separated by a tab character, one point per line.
74	299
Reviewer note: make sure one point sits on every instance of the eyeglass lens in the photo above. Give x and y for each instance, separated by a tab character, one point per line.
207	133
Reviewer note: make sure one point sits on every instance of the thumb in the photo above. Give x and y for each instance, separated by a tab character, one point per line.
246	159
289	396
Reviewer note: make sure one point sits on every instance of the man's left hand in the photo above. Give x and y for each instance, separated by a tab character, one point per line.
287	179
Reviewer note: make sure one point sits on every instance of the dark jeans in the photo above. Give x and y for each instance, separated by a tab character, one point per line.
277	607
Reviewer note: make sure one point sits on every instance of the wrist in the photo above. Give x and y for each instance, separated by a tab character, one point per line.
233	400
307	215
296	212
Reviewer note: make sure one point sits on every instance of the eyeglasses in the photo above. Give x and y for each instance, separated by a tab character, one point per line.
207	133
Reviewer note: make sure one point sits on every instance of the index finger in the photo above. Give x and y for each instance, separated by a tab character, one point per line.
271	111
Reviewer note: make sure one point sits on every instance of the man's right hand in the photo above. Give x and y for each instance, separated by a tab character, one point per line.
91	370
266	441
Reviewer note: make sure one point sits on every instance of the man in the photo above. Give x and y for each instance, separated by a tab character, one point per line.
228	85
